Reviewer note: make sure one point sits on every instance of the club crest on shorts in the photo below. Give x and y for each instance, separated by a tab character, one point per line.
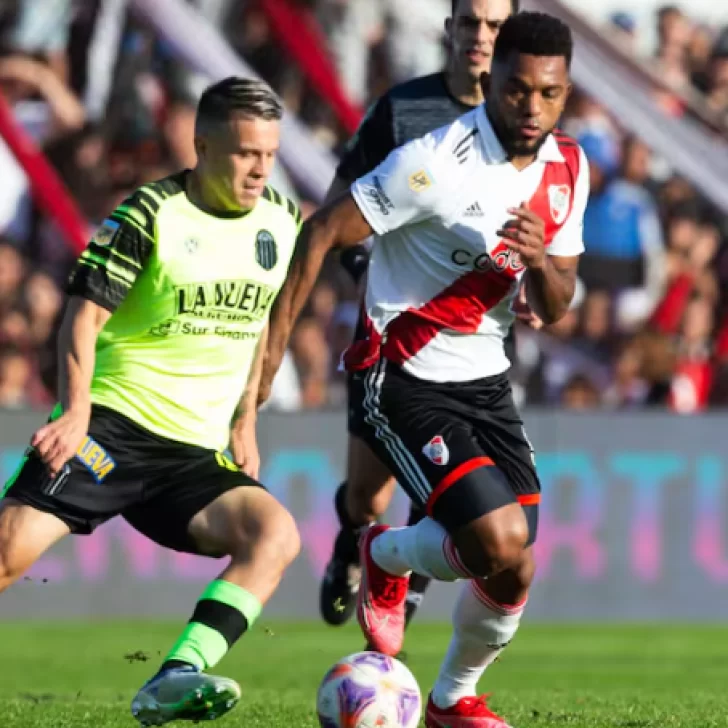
266	250
559	197
436	450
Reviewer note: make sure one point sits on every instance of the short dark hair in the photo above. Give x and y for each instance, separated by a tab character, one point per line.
514	6
248	96
664	10
534	34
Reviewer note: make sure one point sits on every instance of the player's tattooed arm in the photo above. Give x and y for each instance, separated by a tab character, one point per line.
57	441
248	408
339	224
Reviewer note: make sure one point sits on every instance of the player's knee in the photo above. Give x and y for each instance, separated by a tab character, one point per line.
276	541
525	571
493	543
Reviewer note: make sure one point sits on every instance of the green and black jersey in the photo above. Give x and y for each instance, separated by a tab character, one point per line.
190	294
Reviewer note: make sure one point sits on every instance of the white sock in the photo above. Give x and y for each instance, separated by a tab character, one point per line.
482	631
425	548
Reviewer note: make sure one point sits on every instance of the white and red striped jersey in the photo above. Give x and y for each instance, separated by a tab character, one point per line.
441	282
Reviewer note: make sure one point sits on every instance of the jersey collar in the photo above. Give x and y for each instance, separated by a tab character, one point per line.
493	149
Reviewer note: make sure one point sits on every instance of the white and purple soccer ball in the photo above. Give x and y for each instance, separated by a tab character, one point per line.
369	690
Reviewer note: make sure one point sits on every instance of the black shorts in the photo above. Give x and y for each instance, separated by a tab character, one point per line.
459	449
157	485
355	413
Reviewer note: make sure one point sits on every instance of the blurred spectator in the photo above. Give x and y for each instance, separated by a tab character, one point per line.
46	108
15	375
43	302
693	377
717	78
313	361
593	334
43	27
628	389
415	40
11	275
625	249
353	27
580	393
15	329
624	30
700	50
674	31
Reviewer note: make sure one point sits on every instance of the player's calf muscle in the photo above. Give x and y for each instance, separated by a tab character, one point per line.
368	499
256	531
511	585
25	534
258	563
276	541
370	486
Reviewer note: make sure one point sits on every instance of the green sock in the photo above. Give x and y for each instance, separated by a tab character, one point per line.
225	611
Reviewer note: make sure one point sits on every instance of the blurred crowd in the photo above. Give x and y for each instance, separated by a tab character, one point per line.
112	108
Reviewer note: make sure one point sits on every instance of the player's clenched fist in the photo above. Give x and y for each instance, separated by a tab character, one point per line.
57	442
525	234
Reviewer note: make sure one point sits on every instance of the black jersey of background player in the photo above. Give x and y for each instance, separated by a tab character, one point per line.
406	112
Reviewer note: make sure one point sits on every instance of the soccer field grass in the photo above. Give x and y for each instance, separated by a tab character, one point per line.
73	675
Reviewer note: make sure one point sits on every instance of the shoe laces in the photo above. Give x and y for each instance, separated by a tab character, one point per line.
477	704
392	591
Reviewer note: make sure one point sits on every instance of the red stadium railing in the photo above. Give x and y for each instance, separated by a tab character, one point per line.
48	189
298	31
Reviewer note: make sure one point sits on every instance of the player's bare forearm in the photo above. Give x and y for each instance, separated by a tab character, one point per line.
550	287
77	336
339	224
247	409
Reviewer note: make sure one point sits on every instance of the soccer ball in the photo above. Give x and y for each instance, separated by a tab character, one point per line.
369	690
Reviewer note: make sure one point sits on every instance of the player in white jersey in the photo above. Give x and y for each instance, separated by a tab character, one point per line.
463	216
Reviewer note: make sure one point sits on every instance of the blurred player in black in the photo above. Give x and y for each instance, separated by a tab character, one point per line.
408	111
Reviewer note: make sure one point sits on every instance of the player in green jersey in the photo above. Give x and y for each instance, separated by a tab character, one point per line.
160	354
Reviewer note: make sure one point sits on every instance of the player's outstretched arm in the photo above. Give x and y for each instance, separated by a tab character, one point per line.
57	441
339	224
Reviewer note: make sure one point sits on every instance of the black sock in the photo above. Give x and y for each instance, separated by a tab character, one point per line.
222	615
346	546
416	514
173	664
417	587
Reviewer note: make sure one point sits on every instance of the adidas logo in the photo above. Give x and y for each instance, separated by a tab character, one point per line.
474	210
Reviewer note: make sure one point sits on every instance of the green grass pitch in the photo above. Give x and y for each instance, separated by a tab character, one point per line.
72	675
